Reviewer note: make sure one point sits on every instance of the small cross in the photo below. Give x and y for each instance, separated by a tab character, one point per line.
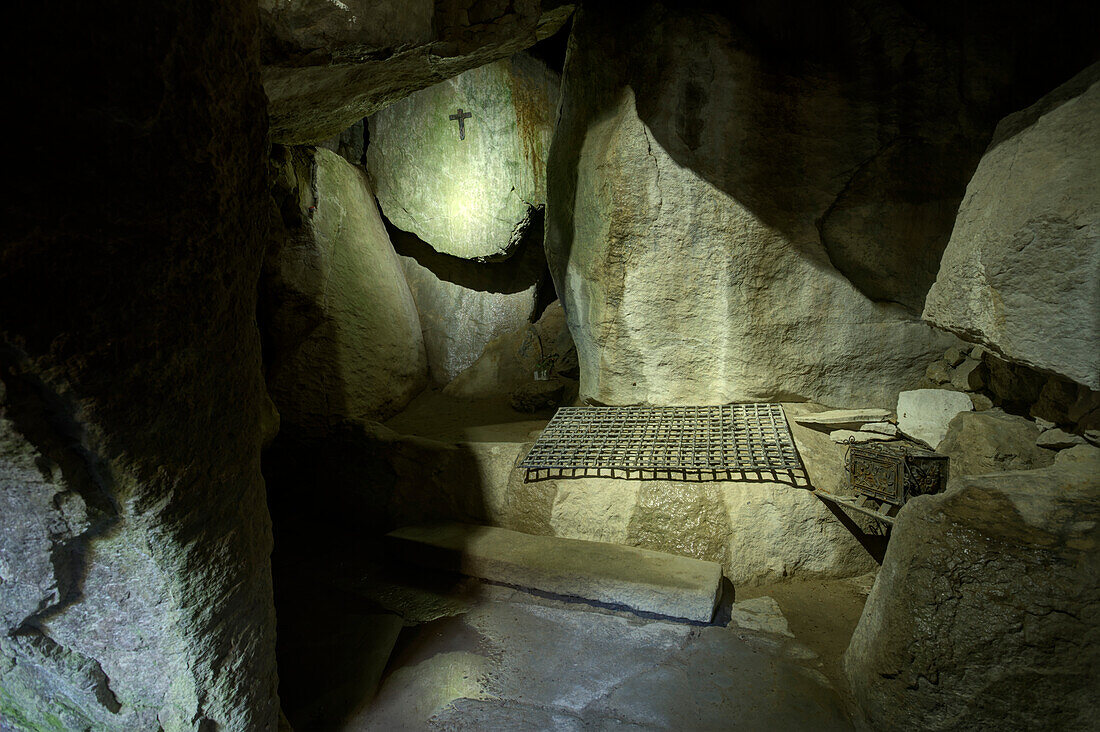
461	117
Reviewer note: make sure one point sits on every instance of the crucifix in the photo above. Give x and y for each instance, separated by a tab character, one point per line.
461	118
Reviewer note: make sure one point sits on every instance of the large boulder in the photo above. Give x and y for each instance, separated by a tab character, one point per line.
986	613
134	531
1021	273
342	323
329	64
992	442
470	186
686	241
464	305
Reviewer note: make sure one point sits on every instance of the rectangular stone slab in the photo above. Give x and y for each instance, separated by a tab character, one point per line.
837	419
641	579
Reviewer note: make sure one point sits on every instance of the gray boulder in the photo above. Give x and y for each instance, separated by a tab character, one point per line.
992	442
472	197
711	247
1021	273
986	613
327	65
345	335
1058	439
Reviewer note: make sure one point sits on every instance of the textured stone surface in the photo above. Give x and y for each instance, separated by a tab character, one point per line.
1058	439
472	197
986	613
134	533
1032	199
926	413
837	419
524	663
508	361
536	395
761	614
992	442
464	305
650	166
329	64
343	327
640	579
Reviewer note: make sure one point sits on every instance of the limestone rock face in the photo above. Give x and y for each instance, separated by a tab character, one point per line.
1021	273
472	197
986	613
329	64
926	413
683	222
508	362
345	333
463	305
992	442
134	532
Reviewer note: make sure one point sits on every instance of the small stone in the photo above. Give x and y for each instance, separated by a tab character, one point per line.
954	356
977	352
761	614
970	375
858	437
1078	454
1044	424
938	372
1058	439
981	402
1093	436
883	428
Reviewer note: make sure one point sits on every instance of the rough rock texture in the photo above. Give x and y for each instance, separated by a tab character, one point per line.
986	613
472	197
134	535
707	238
508	362
343	328
926	413
643	580
1057	439
838	419
329	64
1032	200
992	442
463	305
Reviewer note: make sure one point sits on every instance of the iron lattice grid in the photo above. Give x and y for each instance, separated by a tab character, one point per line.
726	442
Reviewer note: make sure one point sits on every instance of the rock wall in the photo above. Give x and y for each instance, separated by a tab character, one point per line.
471	197
986	612
343	331
329	64
1021	273
738	209
134	534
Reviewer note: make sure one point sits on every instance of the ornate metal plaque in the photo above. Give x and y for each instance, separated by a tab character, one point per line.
895	473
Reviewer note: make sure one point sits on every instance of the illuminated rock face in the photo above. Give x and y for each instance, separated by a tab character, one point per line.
346	336
1022	271
470	191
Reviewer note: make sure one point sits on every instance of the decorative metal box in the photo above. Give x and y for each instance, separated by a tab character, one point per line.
894	473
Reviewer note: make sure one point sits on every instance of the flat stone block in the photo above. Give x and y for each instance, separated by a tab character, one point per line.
641	579
836	419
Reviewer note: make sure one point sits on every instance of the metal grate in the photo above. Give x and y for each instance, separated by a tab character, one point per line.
728	442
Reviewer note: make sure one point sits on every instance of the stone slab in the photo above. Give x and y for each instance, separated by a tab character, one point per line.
848	419
641	579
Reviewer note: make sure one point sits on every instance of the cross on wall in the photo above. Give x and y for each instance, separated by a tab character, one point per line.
461	118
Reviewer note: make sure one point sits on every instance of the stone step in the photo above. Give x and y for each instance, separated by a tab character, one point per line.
643	580
836	419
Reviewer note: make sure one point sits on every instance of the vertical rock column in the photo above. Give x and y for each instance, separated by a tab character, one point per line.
134	534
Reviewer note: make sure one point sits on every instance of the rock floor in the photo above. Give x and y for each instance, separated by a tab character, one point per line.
479	656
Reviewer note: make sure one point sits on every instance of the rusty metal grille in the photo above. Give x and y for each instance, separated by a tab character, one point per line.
727	442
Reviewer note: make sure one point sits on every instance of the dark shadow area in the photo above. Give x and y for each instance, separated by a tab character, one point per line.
524	266
859	125
333	495
875	544
551	50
